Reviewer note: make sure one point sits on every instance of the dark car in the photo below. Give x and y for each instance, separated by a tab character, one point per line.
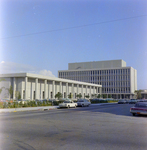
133	101
139	108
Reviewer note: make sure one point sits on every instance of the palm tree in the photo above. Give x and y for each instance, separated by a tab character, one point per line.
70	96
2	87
138	93
10	91
58	95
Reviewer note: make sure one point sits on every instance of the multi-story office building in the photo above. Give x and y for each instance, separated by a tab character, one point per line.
32	86
116	78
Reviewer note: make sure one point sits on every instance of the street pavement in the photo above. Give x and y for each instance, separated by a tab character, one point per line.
42	108
98	127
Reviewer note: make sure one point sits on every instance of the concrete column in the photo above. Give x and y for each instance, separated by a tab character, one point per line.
90	91
53	89
14	88
49	91
32	92
86	89
36	88
45	93
93	89
66	90
73	92
77	88
21	92
26	87
82	92
61	87
97	90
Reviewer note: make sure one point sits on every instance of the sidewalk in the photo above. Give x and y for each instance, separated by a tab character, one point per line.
42	108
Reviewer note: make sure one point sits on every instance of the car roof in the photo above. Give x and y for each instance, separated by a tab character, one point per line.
142	103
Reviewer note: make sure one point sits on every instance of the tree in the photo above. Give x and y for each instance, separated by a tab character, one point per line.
2	87
10	91
93	95
99	96
138	93
104	96
58	95
17	95
109	96
79	95
1	90
70	95
87	96
2	79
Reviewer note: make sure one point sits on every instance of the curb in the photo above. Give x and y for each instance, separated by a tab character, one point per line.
29	109
105	104
42	108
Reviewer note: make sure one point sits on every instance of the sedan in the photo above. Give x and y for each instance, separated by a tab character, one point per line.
122	101
133	101
83	102
68	104
139	108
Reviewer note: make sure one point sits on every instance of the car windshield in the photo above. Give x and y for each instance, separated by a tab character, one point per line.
141	105
66	102
80	101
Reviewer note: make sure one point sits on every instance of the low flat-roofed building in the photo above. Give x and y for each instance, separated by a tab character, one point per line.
117	79
34	86
144	94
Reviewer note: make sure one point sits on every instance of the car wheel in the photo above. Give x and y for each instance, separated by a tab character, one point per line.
133	114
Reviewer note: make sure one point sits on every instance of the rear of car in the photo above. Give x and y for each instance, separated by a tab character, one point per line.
83	102
139	108
133	101
67	104
122	101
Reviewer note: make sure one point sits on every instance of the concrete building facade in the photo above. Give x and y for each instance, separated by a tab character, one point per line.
116	78
32	86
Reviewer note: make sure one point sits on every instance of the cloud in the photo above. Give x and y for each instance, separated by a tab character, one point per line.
11	67
46	73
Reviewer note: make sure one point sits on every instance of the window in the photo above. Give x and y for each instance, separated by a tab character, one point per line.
51	94
64	94
23	94
34	95
43	94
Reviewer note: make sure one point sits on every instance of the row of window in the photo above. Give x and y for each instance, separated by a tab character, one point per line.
100	79
95	72
116	90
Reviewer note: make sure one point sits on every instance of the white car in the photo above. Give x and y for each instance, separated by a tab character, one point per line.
68	104
139	108
83	102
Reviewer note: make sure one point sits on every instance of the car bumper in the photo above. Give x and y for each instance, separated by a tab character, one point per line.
138	112
63	106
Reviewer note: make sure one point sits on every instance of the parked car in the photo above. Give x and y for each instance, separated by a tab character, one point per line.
142	100
127	100
139	108
68	104
83	102
133	101
122	101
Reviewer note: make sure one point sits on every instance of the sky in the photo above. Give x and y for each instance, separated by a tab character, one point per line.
43	36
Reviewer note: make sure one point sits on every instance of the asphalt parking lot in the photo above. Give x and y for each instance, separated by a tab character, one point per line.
83	128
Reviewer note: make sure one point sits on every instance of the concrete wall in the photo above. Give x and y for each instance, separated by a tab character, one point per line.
97	65
41	87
